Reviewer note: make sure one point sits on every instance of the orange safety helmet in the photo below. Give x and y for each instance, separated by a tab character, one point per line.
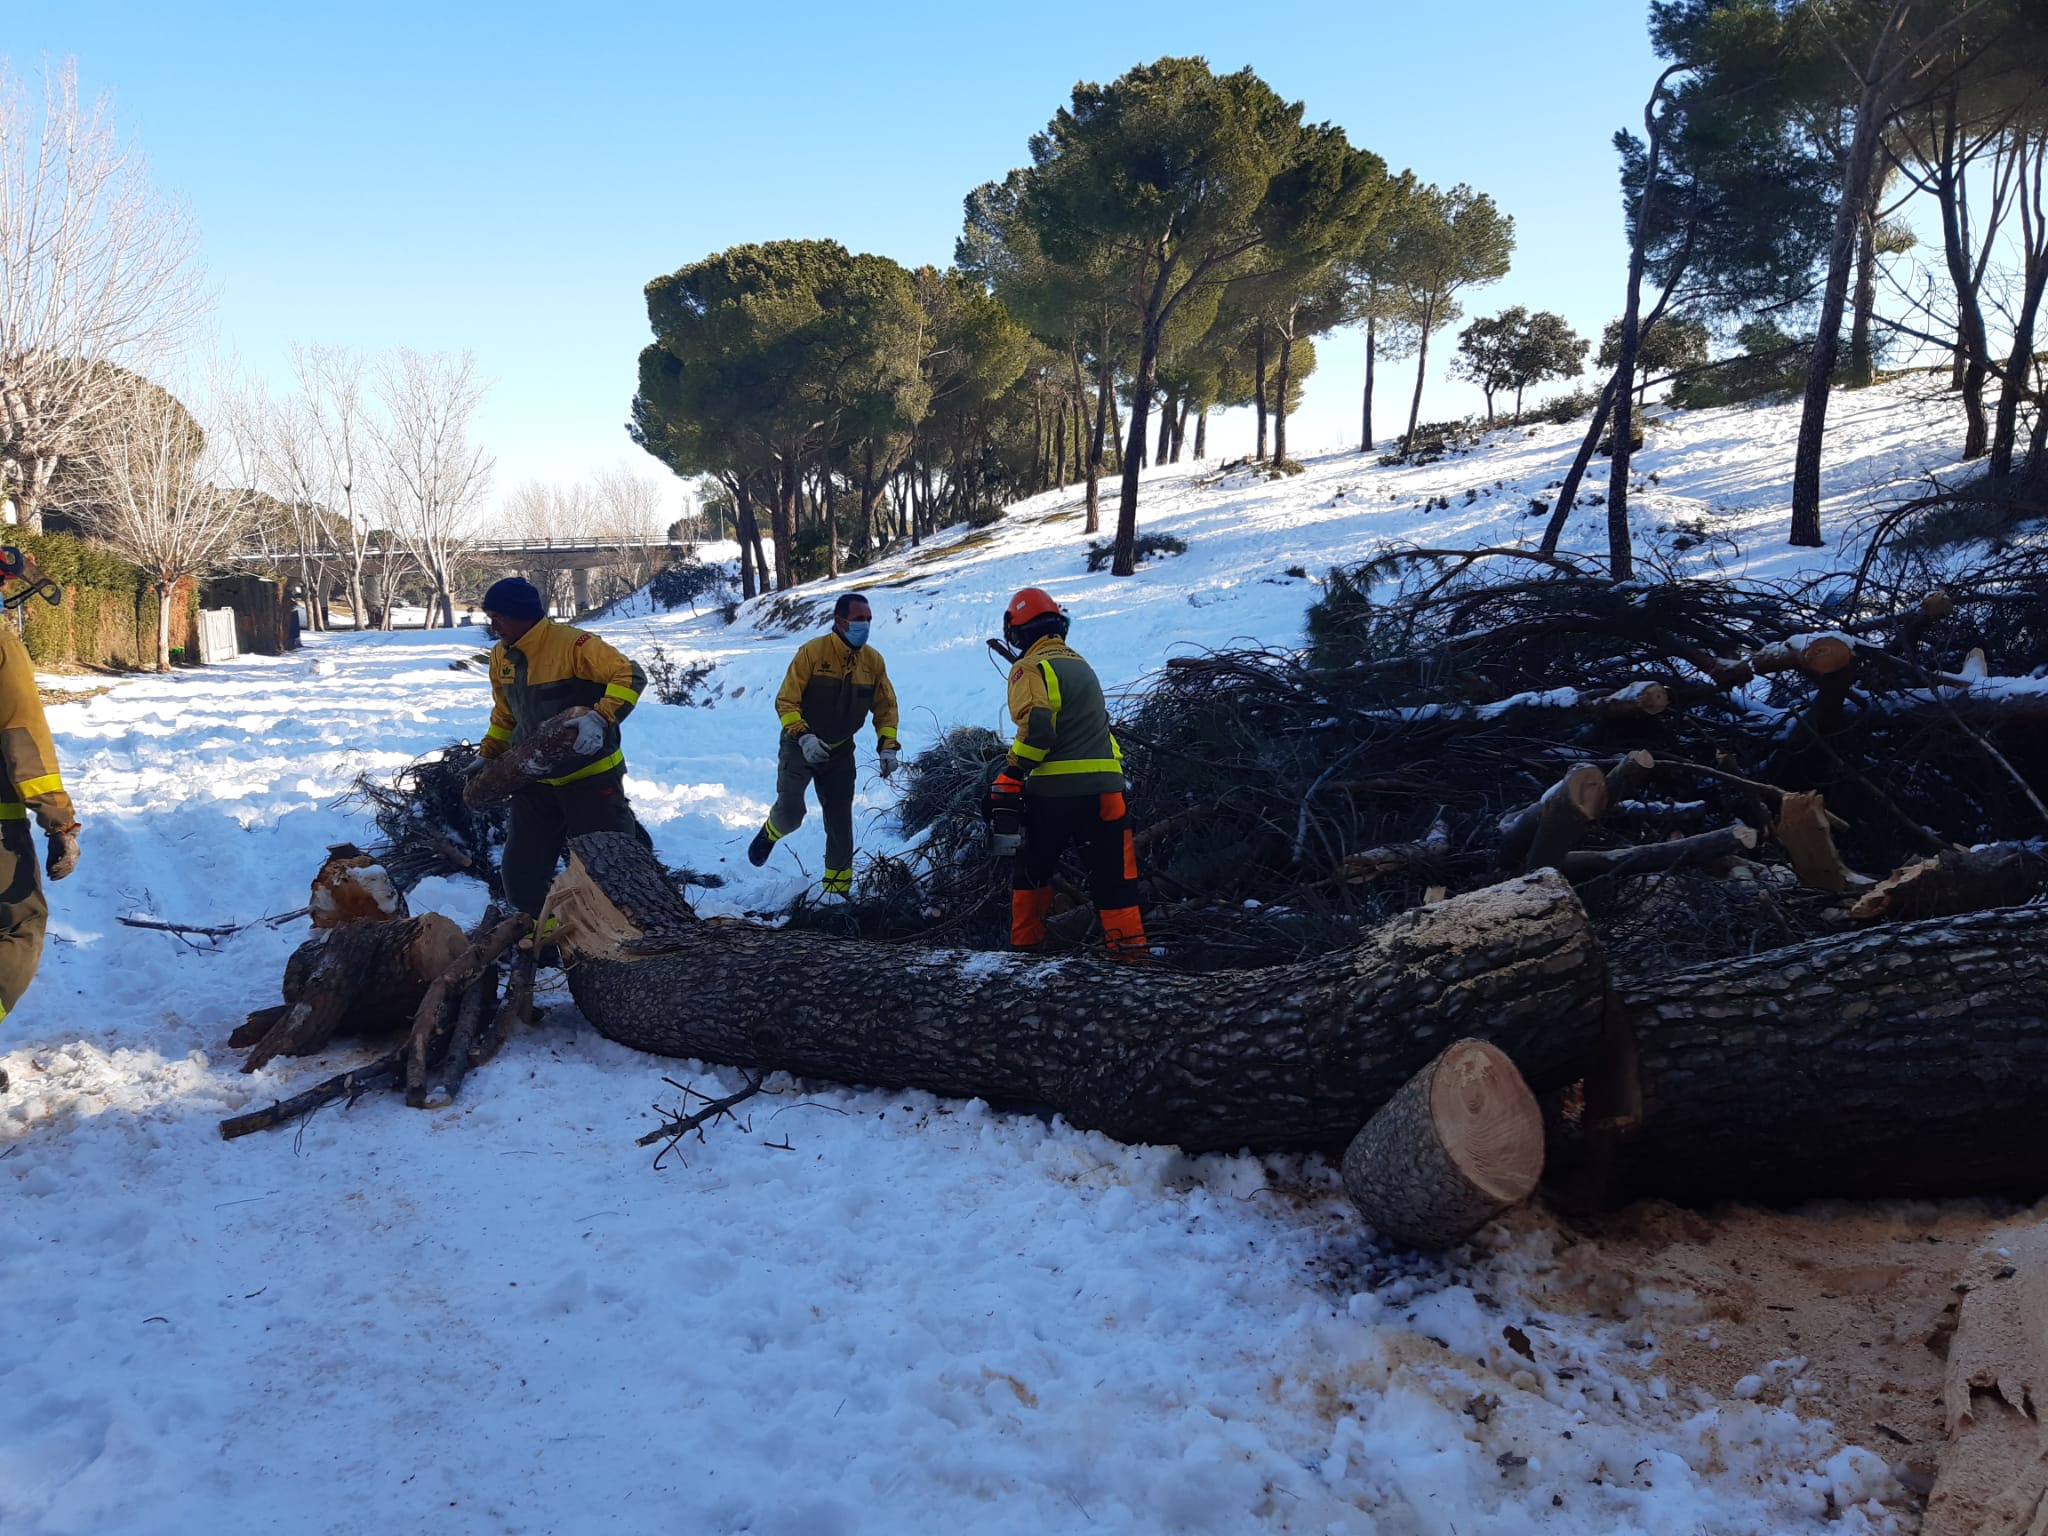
1031	615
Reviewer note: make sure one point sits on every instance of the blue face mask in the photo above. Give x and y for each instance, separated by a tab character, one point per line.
856	633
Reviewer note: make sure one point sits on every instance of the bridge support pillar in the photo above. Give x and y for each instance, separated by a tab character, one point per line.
579	577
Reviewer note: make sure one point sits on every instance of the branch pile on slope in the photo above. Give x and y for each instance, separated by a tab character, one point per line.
1460	716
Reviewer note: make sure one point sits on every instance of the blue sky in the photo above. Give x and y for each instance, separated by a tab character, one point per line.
505	177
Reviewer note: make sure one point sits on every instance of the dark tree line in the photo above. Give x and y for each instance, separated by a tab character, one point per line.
1175	245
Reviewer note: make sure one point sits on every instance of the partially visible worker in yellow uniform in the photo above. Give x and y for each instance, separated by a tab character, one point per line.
29	785
1064	780
539	668
835	682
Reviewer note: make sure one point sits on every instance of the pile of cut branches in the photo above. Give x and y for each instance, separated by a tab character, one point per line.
1720	767
427	827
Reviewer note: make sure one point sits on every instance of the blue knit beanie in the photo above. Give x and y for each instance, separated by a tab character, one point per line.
514	597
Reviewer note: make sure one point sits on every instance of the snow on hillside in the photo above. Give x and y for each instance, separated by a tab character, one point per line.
917	1314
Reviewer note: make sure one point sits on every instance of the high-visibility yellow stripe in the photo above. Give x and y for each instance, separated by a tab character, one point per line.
837	882
498	733
616	760
621	691
793	718
775	834
1029	753
1080	765
13	810
886	730
43	784
1052	689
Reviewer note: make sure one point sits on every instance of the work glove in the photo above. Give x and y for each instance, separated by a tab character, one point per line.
589	734
63	854
892	756
1005	814
816	753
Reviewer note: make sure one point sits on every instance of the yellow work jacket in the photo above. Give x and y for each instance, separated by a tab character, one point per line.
831	688
29	780
552	667
1063	745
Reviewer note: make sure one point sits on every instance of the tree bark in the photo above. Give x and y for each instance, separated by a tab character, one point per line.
1909	1059
1124	561
1295	1056
1259	386
1421	368
1372	342
361	977
1862	369
1460	1142
1105	386
1569	493
1873	111
743	501
1960	880
1202	434
1539	835
1281	379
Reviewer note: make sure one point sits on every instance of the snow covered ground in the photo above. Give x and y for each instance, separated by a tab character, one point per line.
862	1312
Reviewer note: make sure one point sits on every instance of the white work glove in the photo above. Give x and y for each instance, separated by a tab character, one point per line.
816	753
589	734
891	758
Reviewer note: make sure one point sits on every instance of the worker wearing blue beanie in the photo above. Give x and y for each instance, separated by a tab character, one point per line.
540	668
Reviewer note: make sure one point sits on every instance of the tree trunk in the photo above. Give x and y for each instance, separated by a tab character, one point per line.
1105	387
1124	562
1281	379
1295	1056
1873	110
164	593
1259	385
1862	369
1569	493
1905	1060
1421	368
1461	1142
1539	835
1059	447
1202	434
1372	346
749	534
1180	426
2019	367
1165	444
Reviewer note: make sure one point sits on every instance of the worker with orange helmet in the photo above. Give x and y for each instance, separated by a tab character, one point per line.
1063	782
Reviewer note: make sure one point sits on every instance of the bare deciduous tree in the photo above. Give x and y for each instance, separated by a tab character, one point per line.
96	276
432	477
153	499
553	520
630	515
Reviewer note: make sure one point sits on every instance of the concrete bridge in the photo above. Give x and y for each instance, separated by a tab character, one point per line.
514	557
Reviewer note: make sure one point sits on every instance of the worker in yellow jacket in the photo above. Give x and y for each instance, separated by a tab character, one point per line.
30	785
835	682
1063	782
538	669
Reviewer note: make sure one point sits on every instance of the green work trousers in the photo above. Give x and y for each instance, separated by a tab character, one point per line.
542	821
835	780
23	913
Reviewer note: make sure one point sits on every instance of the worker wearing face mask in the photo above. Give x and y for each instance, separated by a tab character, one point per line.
833	685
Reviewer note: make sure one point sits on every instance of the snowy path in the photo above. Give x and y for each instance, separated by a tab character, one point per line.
918	1317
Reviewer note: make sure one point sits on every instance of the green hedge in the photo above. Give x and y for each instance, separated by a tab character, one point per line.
109	613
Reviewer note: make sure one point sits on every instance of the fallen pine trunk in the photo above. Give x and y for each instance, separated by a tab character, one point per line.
1907	1059
1295	1056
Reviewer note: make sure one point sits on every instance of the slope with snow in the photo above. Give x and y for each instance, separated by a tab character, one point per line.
857	1311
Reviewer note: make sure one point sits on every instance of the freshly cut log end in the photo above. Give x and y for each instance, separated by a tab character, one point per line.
1538	836
1808	838
353	887
1461	1142
1815	655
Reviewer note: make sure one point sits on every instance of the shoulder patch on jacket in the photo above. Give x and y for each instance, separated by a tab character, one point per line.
581	639
1016	671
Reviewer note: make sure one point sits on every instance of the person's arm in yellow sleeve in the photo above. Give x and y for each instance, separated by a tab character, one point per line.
598	662
885	711
25	744
789	698
1031	710
498	734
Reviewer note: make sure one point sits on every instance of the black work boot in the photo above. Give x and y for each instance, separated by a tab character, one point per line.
759	849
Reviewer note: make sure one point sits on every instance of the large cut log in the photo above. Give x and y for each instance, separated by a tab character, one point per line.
359	978
1460	1143
1295	1056
1904	1059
